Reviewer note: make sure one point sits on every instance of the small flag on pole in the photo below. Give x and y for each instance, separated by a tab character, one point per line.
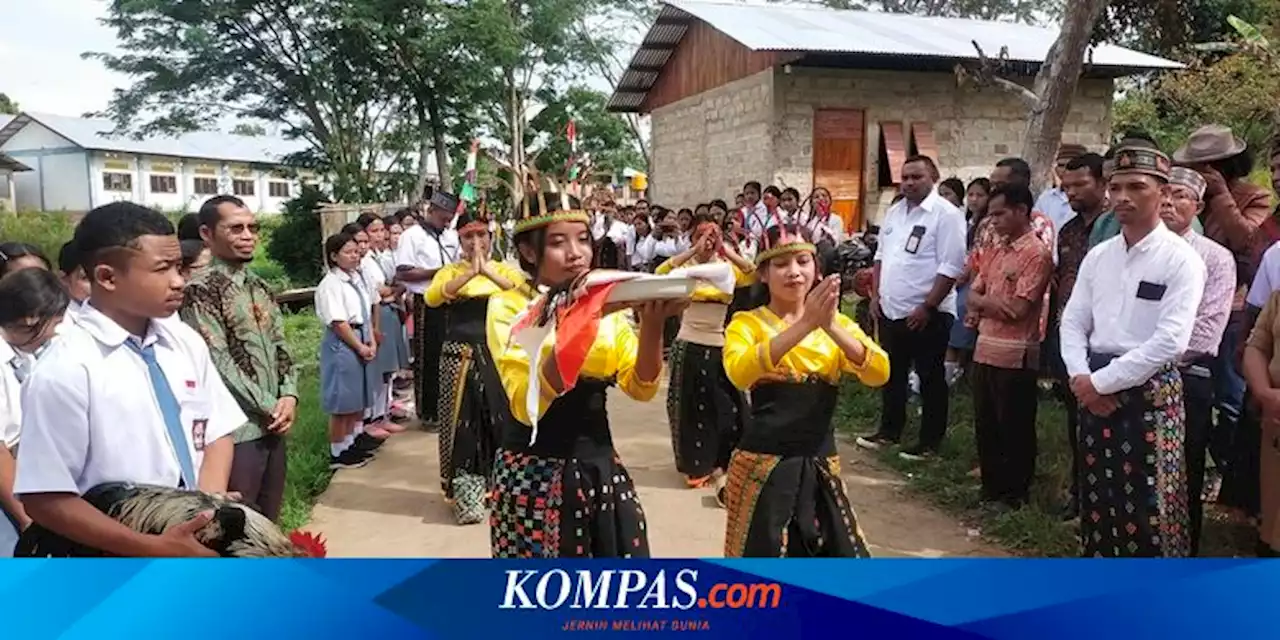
469	181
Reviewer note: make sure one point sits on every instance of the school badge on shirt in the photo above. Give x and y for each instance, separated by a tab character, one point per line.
197	433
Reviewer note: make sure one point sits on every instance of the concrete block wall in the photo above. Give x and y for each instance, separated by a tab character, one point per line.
973	128
706	146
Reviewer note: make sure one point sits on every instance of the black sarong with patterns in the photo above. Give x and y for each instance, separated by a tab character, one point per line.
429	326
473	407
1133	478
704	409
568	494
785	497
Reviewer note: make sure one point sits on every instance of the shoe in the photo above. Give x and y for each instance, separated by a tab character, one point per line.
874	442
366	443
917	454
349	459
913	383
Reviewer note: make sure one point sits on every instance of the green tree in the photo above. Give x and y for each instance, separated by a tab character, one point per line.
249	129
296	243
284	62
606	136
1029	11
8	105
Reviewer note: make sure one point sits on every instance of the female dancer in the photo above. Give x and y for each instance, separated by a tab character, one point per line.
703	408
784	495
567	494
472	405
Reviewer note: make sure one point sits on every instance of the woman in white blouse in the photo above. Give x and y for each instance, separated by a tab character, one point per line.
348	345
642	253
32	303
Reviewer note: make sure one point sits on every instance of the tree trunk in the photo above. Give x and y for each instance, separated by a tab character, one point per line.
424	149
516	128
1055	85
441	144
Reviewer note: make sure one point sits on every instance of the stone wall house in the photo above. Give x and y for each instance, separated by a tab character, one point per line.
805	97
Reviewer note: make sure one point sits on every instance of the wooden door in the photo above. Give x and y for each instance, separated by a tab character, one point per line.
838	155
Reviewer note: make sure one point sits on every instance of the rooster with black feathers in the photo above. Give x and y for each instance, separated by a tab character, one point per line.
235	531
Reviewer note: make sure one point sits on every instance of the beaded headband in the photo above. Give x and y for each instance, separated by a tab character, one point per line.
563	214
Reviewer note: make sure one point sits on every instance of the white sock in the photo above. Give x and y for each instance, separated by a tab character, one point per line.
348	441
953	370
359	430
336	448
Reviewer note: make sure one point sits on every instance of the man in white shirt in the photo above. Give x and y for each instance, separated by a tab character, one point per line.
1053	202
920	253
424	249
123	397
1127	324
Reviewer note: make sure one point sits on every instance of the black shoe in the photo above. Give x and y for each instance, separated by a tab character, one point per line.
349	459
917	453
365	443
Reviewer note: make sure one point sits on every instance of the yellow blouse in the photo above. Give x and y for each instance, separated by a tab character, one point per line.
612	356
477	287
503	307
746	352
705	292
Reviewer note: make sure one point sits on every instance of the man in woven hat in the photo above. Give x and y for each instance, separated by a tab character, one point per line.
1183	204
1108	226
1053	202
424	249
1129	320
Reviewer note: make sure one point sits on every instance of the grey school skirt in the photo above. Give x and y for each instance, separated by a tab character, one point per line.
343	385
393	353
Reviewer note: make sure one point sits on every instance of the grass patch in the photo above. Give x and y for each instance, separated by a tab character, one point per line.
308	456
1032	531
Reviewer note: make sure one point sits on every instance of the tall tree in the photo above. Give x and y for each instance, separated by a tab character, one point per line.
249	129
605	136
1049	98
7	105
285	62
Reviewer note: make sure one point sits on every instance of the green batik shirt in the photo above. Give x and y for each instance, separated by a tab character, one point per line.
236	313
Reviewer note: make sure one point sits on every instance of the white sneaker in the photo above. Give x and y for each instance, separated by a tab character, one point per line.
913	382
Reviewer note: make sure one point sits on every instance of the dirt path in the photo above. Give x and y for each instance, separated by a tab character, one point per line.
394	507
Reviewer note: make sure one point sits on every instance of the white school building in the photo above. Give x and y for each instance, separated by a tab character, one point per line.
76	165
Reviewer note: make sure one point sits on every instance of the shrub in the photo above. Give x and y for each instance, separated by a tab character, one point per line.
295	243
49	231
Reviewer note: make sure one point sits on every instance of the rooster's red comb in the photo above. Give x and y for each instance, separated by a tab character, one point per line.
309	543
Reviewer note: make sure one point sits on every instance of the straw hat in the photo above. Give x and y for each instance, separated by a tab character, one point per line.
1209	143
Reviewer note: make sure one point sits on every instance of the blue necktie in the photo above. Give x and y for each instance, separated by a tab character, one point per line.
170	410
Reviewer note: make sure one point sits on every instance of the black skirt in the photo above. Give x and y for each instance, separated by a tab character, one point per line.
567	495
429	324
704	410
784	496
473	404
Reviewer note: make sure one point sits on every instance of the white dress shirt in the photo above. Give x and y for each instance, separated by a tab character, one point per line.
341	297
89	415
643	253
373	276
756	219
906	278
1267	279
421	248
666	247
1138	303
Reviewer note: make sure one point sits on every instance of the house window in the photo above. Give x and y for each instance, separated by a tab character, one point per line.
113	181
278	189
206	186
164	184
242	187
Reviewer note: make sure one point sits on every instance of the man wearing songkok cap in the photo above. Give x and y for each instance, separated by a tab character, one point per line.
1129	320
1185	202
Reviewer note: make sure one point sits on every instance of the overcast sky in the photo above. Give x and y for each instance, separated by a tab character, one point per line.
40	65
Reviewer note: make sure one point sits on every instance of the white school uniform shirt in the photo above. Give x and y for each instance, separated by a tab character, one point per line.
338	301
906	278
756	220
11	362
1267	279
819	228
374	278
423	249
89	415
643	253
1136	302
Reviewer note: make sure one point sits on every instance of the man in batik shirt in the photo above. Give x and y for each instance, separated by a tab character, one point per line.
235	312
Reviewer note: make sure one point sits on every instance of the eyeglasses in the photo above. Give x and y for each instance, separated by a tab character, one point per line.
238	229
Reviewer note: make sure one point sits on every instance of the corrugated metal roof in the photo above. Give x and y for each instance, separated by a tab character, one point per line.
205	145
9	164
774	27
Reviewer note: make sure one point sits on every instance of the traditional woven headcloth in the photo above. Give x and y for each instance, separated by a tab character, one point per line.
1189	178
1146	160
547	205
786	242
469	222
